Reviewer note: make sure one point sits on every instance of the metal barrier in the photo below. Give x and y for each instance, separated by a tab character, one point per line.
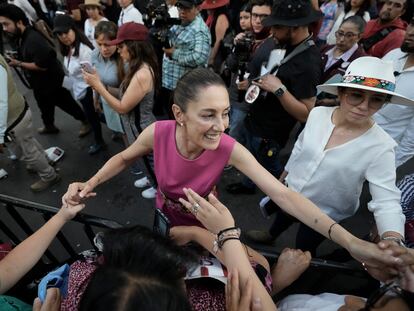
12	205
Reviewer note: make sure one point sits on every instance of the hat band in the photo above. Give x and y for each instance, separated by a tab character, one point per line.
371	82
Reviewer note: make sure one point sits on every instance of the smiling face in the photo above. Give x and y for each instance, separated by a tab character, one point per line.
205	119
408	43
358	105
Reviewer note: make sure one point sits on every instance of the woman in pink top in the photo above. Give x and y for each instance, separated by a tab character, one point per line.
192	152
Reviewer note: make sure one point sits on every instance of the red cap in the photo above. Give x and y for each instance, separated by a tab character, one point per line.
130	31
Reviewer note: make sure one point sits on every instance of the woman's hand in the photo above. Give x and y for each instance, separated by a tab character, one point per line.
212	213
182	235
51	303
93	80
371	255
289	267
68	211
77	192
240	298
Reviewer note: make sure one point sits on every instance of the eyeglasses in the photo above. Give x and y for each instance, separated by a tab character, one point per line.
261	16
376	301
357	98
347	35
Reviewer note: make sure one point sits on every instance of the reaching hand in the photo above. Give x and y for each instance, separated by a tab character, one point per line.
405	271
212	213
51	303
240	298
68	211
372	255
290	265
77	192
92	79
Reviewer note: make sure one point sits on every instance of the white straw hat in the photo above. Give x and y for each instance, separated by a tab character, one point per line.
372	74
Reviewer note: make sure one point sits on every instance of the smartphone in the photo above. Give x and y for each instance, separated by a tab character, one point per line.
161	223
87	66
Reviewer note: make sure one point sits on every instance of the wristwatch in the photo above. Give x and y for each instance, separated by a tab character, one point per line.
280	91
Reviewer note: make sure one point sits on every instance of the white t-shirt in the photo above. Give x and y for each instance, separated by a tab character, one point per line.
130	14
332	179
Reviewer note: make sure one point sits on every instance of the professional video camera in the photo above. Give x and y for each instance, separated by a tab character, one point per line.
158	21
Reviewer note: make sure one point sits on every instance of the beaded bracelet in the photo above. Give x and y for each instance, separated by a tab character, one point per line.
224	235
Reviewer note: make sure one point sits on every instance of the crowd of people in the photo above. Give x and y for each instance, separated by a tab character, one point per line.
194	88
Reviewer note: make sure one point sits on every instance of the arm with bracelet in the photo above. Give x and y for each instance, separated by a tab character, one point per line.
219	221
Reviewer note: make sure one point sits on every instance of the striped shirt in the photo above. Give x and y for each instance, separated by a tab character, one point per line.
192	49
406	186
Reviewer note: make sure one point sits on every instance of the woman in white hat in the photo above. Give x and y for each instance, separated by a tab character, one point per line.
341	148
94	10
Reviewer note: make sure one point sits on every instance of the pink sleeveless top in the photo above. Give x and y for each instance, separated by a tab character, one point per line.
174	172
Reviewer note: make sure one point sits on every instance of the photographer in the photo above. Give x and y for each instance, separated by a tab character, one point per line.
245	59
291	90
190	48
43	70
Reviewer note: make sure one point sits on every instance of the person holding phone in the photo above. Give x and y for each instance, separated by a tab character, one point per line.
137	91
77	50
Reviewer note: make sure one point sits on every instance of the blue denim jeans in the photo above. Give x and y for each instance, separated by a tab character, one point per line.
237	117
266	152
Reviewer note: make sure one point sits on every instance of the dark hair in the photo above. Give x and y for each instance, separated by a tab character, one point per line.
109	30
13	13
357	21
246	7
362	9
79	38
115	289
253	3
141	52
144	253
189	86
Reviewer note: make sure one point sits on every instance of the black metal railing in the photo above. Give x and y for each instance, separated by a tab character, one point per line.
12	206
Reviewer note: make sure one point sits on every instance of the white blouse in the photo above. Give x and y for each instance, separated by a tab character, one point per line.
72	64
333	178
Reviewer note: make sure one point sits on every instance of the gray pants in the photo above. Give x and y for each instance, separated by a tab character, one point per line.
28	149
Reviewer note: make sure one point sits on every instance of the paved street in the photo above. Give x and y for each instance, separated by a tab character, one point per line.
118	199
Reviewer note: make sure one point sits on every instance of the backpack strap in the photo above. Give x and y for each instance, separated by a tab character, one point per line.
367	43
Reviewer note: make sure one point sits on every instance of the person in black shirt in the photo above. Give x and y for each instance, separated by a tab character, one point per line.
42	69
290	92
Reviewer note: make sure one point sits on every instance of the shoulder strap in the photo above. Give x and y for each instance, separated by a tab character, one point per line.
367	43
299	49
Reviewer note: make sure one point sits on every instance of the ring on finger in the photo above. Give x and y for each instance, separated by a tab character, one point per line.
195	207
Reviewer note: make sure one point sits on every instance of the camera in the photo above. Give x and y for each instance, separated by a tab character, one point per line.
243	48
157	19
